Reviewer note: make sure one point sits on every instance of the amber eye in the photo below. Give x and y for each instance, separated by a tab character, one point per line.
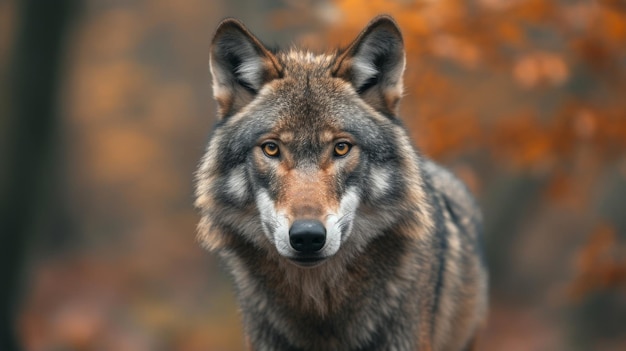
341	149
270	149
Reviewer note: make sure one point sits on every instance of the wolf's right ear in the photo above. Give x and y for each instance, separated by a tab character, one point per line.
240	66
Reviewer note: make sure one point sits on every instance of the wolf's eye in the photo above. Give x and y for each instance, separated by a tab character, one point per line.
341	149
270	149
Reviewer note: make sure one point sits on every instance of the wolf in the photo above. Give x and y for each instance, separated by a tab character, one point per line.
337	233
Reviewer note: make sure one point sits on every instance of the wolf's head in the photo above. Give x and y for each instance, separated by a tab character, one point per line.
308	158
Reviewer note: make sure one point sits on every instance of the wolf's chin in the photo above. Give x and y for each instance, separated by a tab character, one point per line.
307	262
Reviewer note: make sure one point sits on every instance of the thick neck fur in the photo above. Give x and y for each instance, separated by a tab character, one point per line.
318	291
370	294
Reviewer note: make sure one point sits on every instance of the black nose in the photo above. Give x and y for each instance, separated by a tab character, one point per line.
307	235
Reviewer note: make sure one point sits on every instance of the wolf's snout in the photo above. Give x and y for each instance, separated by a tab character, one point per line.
307	235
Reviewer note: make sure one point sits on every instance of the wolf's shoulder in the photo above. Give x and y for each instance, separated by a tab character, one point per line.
452	190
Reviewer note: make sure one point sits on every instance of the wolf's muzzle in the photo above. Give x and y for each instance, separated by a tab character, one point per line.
307	235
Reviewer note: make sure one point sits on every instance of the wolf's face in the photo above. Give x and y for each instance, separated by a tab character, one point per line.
304	191
307	165
304	144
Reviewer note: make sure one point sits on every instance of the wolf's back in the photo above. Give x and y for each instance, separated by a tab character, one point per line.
462	292
459	200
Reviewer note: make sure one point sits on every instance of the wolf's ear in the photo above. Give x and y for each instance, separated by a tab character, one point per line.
374	64
240	66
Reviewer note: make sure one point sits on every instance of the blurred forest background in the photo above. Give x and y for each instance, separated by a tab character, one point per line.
106	107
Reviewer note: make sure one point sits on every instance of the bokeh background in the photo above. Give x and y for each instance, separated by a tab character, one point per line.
106	106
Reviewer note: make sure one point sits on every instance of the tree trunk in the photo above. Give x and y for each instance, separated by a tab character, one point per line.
30	143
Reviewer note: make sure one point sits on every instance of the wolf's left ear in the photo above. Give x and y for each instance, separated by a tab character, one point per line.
240	66
374	64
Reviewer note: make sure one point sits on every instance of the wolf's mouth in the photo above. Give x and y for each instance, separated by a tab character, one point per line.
307	261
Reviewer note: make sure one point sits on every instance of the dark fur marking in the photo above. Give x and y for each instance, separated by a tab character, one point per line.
368	84
443	246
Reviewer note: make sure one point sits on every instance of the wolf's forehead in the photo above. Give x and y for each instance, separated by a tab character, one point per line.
295	60
308	102
291	136
307	78
309	108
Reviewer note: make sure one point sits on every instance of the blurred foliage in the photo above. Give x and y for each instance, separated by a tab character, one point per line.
523	99
601	264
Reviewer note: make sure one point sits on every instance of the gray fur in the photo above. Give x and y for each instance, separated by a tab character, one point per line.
402	266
